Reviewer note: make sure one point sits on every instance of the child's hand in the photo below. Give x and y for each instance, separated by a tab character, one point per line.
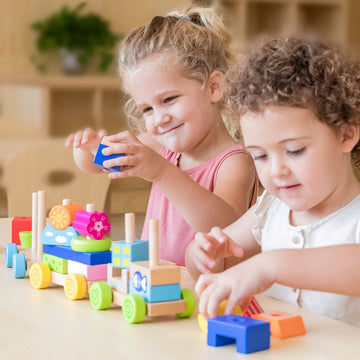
87	140
236	284
207	248
139	160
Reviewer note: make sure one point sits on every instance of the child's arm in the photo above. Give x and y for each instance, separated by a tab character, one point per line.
228	202
210	252
85	143
332	269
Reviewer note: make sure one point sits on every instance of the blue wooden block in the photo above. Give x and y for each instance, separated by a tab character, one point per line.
52	236
124	253
138	285
95	258
100	158
250	335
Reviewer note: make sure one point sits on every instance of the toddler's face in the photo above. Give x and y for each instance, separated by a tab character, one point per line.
177	110
298	158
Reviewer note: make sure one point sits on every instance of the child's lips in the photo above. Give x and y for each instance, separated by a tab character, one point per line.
289	187
171	129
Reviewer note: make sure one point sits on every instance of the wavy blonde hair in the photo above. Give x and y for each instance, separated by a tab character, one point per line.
298	72
197	38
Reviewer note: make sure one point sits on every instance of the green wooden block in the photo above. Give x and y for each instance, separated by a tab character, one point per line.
55	263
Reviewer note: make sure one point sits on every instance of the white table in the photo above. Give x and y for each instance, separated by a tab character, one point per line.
44	324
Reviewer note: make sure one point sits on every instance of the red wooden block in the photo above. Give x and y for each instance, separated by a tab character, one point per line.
19	223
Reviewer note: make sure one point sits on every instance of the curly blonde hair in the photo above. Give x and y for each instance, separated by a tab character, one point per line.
197	38
298	72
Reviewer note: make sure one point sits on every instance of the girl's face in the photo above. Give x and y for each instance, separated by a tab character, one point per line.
177	110
299	159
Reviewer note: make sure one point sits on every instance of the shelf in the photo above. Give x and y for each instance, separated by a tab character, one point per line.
249	20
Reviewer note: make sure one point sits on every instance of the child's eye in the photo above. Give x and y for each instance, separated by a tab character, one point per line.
147	109
296	152
170	99
259	157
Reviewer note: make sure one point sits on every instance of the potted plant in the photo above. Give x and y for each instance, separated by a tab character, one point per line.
79	37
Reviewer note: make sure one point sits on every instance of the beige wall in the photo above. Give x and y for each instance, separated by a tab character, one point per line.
17	39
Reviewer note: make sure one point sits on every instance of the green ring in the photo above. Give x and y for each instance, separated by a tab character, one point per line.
83	244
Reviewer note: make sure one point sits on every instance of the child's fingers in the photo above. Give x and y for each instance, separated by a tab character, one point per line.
125	136
236	249
70	140
218	234
214	300
231	248
202	241
102	133
87	135
78	139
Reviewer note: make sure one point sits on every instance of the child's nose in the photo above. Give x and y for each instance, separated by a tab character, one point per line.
278	168
161	118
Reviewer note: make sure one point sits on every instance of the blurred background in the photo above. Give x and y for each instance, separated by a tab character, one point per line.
50	88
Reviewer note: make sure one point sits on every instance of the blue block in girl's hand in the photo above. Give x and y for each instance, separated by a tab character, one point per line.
100	158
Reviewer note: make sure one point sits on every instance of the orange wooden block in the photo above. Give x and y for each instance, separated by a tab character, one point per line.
166	308
282	324
163	274
62	216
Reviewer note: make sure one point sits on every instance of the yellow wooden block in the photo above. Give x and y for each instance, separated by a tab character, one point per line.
163	274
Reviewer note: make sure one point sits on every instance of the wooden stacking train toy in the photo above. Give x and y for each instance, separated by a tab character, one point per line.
73	251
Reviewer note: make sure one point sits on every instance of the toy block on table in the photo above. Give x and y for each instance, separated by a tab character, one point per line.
62	216
282	324
253	308
124	253
91	272
165	308
94	258
100	157
164	273
249	335
52	236
91	224
56	263
138	286
19	223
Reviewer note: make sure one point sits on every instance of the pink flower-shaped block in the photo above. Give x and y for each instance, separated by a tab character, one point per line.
94	225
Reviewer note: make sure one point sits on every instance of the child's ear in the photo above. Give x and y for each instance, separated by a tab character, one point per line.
350	137
216	85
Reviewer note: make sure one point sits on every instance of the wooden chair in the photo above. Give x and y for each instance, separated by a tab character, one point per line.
49	166
12	128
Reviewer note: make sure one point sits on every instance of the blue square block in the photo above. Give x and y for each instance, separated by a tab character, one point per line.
52	236
156	293
100	158
124	253
95	258
250	335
